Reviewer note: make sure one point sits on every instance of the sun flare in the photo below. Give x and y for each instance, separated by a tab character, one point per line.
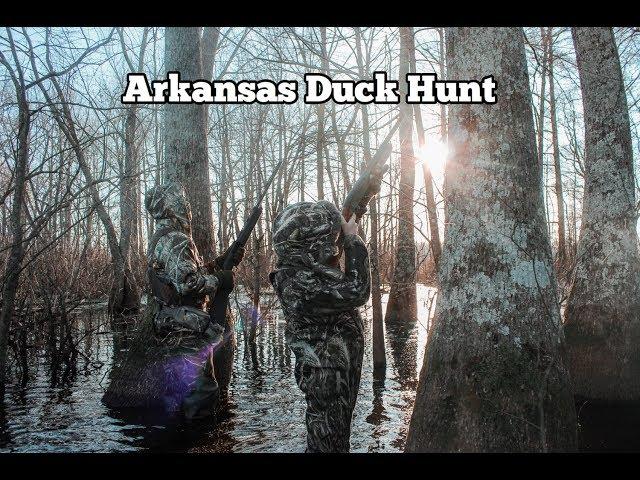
434	154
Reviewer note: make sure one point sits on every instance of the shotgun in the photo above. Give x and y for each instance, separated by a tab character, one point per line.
368	183
218	310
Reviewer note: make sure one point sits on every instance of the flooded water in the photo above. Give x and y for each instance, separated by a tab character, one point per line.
58	407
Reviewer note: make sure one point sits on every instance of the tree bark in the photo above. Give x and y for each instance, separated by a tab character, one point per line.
210	41
603	310
493	377
402	304
186	153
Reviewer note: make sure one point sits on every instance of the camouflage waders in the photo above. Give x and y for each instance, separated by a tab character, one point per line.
320	304
181	285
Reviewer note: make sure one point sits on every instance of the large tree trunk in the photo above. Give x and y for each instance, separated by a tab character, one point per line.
562	249
187	161
186	153
603	310
402	305
493	377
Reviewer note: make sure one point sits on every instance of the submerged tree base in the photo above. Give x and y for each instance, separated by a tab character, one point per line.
127	301
133	383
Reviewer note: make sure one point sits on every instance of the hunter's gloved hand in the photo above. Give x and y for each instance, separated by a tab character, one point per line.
211	285
194	284
360	210
237	258
225	279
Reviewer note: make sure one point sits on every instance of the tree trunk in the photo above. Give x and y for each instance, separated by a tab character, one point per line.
432	211
225	160
187	161
493	377
186	153
320	108
16	252
443	107
379	356
543	89
562	248
402	305
129	212
210	40
603	310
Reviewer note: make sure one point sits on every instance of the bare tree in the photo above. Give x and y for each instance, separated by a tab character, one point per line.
379	356
320	112
432	211
562	248
130	206
14	262
402	304
186	155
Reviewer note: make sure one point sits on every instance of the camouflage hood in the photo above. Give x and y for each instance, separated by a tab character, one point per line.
305	234
169	202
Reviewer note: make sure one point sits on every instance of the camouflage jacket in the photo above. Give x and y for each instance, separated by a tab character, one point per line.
176	256
321	304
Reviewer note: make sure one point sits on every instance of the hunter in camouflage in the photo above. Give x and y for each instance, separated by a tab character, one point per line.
320	304
182	285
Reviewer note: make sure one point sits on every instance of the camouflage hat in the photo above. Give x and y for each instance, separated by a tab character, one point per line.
306	232
168	201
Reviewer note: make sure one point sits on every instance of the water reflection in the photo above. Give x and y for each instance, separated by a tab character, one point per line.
5	438
53	400
59	407
403	340
377	415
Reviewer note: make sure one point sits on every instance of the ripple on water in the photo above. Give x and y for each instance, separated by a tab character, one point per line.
266	408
